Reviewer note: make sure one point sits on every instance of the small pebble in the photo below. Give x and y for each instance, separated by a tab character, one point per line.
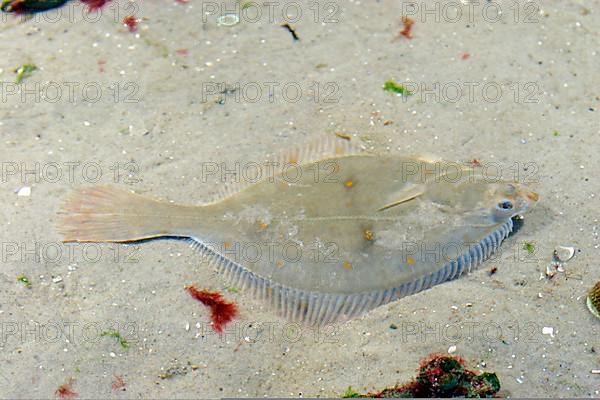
451	349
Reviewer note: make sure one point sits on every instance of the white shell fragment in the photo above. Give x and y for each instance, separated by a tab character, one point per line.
228	20
548	330
564	253
25	191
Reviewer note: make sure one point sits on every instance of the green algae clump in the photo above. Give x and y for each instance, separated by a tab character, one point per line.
30	6
443	376
393	87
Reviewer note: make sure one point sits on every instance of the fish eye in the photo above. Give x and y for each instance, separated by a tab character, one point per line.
505	205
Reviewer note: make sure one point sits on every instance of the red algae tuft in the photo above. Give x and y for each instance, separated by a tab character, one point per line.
95	4
407	29
118	383
65	391
221	310
131	23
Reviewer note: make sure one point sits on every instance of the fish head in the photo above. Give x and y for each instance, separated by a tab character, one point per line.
507	199
493	200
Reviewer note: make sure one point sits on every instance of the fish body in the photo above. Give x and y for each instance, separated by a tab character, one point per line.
330	233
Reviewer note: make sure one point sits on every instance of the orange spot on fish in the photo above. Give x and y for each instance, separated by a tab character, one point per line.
465	56
410	260
221	310
226	245
349	183
347	265
533	196
368	235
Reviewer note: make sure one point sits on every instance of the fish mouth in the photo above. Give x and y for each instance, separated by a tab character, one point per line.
530	197
518	222
533	196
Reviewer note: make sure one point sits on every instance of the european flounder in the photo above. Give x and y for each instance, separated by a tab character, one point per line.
327	232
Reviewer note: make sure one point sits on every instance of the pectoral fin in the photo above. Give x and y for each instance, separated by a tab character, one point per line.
404	196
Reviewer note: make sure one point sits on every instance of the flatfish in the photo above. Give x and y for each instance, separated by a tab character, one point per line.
327	231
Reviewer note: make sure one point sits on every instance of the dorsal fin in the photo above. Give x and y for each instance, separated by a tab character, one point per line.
427	158
431	159
320	148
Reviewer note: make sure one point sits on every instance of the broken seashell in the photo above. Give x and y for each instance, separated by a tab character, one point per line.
551	271
564	253
593	300
228	19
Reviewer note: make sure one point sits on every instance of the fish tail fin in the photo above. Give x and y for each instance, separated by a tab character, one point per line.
108	214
